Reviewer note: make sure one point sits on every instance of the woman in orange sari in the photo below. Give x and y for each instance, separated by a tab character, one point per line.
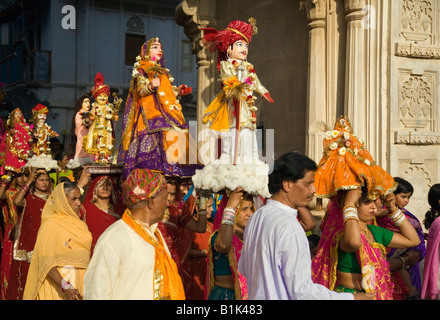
351	255
62	249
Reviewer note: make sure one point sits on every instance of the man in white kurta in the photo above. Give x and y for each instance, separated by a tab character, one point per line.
122	265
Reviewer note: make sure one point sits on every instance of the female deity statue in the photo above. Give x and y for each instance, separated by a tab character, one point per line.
18	141
79	129
100	140
153	117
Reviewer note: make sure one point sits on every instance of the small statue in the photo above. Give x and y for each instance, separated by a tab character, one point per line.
18	141
100	140
41	130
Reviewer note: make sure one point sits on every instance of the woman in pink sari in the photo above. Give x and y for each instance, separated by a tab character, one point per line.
430	287
351	255
223	281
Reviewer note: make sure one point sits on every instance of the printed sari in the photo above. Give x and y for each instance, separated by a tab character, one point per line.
240	284
155	134
400	289
63	242
430	287
371	257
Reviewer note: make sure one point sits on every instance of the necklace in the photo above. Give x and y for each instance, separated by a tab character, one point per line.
368	234
43	196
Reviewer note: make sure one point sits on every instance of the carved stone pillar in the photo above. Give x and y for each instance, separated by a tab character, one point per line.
317	113
193	15
355	106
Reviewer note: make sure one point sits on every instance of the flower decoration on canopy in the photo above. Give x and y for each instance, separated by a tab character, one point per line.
346	164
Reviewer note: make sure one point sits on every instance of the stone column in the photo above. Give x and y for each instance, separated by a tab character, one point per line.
194	15
356	76
317	113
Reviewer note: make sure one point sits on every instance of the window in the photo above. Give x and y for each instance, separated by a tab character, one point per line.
187	58
133	44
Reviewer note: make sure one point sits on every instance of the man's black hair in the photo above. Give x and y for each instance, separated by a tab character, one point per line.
291	166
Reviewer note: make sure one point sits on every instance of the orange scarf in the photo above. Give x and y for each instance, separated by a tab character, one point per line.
167	282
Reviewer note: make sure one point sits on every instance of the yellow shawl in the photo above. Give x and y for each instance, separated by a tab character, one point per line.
167	282
63	241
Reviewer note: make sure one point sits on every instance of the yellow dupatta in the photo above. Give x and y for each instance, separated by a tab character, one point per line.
167	282
63	241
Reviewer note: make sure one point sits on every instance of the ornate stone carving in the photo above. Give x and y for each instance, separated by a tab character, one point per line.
421	174
416	19
416	100
135	24
417	51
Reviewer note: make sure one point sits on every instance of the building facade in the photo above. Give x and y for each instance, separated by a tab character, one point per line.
52	50
375	61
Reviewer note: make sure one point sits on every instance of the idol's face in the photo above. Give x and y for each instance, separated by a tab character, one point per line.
239	50
156	52
102	99
86	104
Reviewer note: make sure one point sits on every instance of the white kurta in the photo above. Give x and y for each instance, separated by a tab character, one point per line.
122	266
275	258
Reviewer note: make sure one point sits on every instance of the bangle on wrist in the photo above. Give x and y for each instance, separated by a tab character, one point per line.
25	188
403	262
66	285
350	213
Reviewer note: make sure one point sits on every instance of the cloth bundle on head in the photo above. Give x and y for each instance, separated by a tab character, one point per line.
39	108
99	87
346	164
219	41
142	184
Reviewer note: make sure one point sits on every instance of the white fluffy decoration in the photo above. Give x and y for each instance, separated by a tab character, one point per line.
43	161
249	173
79	162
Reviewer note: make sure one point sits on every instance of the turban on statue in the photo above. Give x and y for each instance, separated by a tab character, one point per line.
220	40
39	108
141	185
99	87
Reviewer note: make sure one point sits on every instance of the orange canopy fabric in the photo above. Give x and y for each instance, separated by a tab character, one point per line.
346	164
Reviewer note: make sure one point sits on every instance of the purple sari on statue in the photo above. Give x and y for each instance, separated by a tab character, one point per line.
153	125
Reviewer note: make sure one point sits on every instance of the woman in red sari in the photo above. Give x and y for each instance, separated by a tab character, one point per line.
102	206
31	198
9	219
198	253
176	229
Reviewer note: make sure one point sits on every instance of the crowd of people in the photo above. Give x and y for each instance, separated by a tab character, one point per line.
163	230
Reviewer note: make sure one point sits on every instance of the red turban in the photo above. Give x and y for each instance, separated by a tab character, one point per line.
220	40
39	108
99	87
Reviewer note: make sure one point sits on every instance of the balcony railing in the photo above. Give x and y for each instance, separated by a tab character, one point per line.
34	66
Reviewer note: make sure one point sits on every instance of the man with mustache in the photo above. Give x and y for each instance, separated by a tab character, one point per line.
275	257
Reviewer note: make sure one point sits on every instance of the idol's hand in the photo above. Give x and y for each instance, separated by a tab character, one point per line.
268	97
155	83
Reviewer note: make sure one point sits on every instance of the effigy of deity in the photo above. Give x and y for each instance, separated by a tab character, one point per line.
41	130
18	141
153	116
100	139
231	115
